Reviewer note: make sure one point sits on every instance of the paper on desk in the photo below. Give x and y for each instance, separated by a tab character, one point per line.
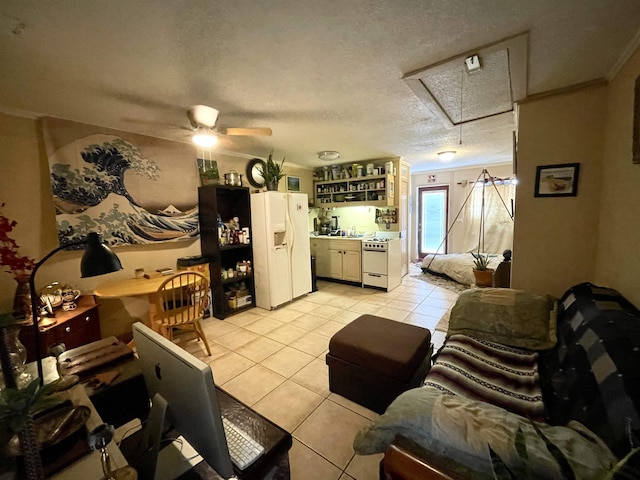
89	467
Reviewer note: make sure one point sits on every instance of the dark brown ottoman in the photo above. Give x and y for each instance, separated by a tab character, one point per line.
372	360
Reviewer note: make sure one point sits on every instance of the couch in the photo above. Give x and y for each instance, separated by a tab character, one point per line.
512	359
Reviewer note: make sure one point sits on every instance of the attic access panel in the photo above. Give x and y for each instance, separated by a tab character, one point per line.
458	96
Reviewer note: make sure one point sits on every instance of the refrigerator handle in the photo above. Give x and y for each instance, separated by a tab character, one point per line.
292	233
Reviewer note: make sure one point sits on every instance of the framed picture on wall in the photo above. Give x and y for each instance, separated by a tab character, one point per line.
293	184
557	180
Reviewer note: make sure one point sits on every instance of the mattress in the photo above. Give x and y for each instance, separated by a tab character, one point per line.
457	266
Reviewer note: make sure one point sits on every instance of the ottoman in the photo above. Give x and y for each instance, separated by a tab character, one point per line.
372	360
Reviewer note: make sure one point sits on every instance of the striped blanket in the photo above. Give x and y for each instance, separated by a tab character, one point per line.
481	370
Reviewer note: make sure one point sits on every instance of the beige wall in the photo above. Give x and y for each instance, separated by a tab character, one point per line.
618	260
594	236
555	238
26	192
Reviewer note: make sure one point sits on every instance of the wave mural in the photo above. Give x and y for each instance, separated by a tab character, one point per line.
92	179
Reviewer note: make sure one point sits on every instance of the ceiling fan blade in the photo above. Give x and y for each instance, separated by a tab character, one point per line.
250	131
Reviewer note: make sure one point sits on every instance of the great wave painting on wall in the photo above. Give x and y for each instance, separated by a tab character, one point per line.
130	188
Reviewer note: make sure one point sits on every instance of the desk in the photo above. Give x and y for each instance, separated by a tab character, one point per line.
90	465
273	465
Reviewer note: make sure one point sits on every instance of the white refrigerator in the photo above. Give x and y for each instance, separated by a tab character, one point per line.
281	247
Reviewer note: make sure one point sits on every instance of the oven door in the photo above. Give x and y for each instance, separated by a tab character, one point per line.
375	261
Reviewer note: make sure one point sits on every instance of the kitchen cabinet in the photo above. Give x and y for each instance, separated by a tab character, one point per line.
345	260
374	190
320	250
232	290
338	258
73	328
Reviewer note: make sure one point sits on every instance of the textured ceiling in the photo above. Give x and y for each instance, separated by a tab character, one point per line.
324	75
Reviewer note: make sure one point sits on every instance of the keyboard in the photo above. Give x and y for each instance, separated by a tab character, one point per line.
243	449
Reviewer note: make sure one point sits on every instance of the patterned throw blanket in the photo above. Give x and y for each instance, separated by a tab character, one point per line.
481	370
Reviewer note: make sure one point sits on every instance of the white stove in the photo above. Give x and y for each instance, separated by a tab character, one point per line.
374	244
380	241
381	262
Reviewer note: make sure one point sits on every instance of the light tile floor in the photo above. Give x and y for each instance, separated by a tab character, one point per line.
274	361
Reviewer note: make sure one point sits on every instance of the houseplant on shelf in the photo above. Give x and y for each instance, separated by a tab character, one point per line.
481	271
271	172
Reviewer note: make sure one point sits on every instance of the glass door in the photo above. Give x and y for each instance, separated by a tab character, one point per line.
433	218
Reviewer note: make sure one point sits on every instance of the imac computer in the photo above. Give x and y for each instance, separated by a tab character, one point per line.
183	386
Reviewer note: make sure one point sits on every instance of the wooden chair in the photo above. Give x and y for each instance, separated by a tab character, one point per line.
181	301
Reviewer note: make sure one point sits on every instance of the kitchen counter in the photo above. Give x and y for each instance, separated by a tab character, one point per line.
337	237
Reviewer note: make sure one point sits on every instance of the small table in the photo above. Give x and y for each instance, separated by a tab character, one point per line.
133	287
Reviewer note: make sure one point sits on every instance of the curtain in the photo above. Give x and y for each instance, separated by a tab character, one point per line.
493	231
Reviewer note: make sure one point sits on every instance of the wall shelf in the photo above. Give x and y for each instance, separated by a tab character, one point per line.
373	190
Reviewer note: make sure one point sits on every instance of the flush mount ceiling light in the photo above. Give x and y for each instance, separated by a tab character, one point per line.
205	139
329	155
446	156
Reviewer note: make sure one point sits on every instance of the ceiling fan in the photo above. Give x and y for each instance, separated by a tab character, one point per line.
203	123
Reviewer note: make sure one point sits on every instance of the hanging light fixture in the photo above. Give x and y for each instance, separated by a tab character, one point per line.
446	155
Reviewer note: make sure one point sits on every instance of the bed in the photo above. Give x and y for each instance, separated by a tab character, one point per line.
457	266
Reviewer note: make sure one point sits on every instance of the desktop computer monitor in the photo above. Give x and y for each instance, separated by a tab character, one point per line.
186	385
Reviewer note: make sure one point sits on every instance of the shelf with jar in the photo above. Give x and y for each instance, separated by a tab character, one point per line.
376	190
225	228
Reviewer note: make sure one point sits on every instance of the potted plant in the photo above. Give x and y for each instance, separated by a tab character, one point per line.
18	406
481	271
271	172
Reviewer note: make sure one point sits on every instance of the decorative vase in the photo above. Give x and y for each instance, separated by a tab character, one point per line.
272	185
22	298
17	357
484	278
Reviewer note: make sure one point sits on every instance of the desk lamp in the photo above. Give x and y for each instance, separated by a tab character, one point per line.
97	259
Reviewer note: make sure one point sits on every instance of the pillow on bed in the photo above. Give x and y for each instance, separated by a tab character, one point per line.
507	316
462	430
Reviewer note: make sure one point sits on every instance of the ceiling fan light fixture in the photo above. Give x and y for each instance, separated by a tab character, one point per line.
446	155
205	140
329	155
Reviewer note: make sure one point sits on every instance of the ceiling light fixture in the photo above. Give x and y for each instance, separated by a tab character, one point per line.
205	139
446	156
329	155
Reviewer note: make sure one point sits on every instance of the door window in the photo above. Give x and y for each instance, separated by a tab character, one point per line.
433	205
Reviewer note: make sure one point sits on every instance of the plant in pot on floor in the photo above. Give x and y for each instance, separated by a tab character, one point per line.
271	172
481	271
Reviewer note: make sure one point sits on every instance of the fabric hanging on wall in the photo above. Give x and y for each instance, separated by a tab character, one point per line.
130	188
498	225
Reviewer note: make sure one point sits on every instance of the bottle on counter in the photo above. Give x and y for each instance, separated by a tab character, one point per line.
220	230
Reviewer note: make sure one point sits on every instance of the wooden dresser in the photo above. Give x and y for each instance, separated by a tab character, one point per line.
74	328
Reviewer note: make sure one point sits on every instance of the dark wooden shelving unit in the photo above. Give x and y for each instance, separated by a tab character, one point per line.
228	202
